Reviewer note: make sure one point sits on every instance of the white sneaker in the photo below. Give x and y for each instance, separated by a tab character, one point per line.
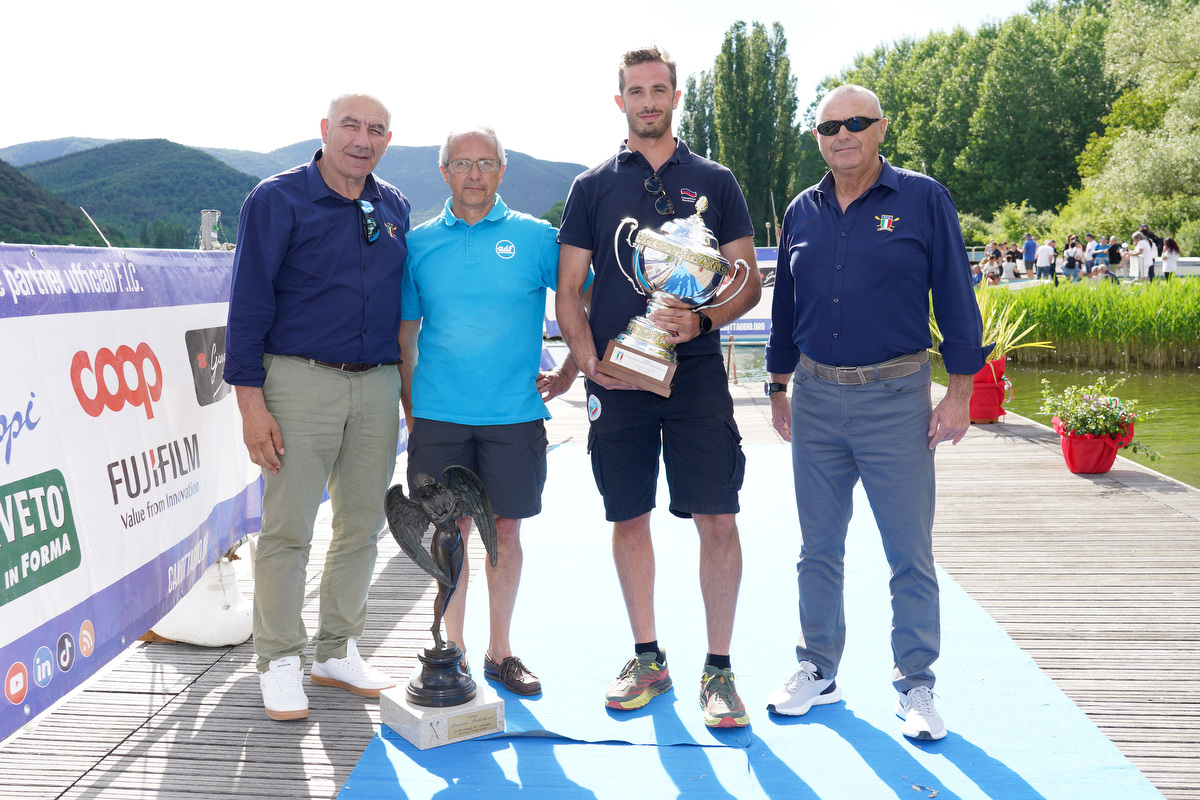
805	689
283	689
921	720
351	673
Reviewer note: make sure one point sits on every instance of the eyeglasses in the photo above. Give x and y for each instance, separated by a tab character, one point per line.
370	226
462	165
853	124
663	204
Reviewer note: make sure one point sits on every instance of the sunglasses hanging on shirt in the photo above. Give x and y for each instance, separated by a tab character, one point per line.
370	227
662	205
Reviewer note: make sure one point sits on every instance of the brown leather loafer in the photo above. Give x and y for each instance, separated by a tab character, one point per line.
515	676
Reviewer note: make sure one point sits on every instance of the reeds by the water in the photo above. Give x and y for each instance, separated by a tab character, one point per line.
1103	324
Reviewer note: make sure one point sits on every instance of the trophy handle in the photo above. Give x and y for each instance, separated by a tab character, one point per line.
617	251
739	264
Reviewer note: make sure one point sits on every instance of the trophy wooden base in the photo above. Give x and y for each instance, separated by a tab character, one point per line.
428	727
641	369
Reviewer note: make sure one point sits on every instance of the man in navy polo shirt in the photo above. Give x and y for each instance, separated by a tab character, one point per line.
654	178
475	292
311	346
853	338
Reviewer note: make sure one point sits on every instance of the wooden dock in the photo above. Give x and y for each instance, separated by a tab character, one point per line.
1097	578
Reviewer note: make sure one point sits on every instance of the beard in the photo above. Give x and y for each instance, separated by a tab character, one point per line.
655	130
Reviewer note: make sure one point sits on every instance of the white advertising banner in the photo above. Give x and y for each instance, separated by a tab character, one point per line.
122	470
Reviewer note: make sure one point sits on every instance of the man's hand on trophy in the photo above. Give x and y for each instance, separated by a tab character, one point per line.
679	321
595	376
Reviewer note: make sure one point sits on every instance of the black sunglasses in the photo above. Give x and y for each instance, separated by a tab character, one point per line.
663	204
370	226
854	125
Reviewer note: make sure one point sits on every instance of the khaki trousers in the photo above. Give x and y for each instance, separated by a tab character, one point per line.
339	430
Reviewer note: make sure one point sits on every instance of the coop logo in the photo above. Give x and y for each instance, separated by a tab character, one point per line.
505	249
114	379
38	542
206	353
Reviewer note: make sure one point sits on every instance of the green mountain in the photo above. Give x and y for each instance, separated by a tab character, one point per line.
530	184
21	154
30	214
150	189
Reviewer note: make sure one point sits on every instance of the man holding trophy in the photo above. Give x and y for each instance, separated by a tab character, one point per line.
663	379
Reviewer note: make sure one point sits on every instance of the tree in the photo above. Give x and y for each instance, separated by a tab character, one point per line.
1146	166
754	112
1042	96
696	121
554	215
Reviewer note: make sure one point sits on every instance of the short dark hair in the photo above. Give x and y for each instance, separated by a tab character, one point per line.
645	55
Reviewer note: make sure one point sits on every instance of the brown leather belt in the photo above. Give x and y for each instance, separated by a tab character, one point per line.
351	366
896	368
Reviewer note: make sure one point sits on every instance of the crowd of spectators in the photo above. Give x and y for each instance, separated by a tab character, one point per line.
1145	258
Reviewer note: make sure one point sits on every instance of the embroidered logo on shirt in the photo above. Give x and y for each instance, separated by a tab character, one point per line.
687	195
505	248
593	407
887	222
391	229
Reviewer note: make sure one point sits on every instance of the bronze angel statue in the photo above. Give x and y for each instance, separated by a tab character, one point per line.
441	506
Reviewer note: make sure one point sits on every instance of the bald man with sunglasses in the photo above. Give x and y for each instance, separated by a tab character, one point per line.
859	254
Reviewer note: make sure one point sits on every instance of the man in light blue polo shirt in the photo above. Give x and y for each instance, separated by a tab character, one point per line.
472	304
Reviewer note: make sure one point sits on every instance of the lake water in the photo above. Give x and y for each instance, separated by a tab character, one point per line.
1174	431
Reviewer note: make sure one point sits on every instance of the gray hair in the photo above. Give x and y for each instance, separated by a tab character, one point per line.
337	101
849	88
482	130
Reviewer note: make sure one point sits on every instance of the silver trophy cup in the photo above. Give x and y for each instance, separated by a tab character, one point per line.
680	259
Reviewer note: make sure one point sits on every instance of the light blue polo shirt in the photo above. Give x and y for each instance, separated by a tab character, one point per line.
480	291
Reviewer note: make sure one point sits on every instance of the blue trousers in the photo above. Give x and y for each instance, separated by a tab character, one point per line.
877	432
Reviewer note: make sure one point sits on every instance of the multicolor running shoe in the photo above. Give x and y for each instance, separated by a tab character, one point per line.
641	680
719	699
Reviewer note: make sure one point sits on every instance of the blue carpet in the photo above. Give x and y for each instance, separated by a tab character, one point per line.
1013	734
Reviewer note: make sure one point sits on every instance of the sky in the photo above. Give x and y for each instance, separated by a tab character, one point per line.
254	75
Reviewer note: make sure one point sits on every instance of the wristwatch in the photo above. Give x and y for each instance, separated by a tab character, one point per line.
770	388
705	322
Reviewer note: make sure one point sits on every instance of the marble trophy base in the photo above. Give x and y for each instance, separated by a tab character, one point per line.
426	726
639	368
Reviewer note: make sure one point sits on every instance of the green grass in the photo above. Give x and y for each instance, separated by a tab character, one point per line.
1109	325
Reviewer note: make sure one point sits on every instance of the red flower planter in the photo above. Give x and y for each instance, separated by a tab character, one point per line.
1088	454
987	393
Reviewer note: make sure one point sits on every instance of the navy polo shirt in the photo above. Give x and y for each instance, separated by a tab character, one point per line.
601	198
853	289
305	280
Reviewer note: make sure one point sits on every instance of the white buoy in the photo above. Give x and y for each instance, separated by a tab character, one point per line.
212	614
